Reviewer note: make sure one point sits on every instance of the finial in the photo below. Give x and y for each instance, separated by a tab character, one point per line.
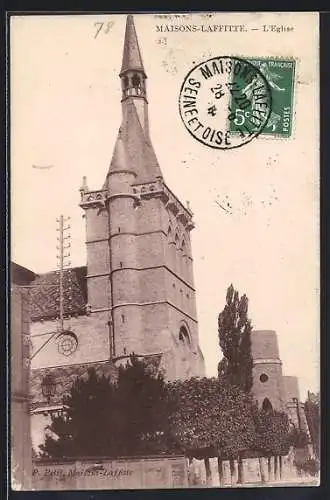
84	186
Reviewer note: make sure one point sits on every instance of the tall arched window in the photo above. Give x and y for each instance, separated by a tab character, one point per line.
177	252
136	82
126	82
183	259
171	251
184	336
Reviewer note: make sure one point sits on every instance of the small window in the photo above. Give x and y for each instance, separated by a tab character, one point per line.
121	264
173	285
118	229
123	318
263	378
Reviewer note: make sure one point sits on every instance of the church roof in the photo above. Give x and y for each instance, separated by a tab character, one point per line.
133	150
64	377
45	294
21	275
132	59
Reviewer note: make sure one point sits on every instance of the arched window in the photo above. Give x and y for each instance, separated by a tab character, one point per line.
136	82
176	239
183	247
169	233
125	82
184	336
267	405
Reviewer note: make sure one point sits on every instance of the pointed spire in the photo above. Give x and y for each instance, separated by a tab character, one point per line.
119	158
84	186
132	59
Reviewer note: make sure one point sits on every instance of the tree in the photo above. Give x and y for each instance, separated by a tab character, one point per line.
102	418
234	329
210	419
273	436
87	426
313	416
298	438
142	399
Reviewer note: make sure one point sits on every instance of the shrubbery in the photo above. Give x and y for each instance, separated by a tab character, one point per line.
309	465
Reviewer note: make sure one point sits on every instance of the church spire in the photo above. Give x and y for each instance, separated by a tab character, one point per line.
133	77
132	74
133	151
132	60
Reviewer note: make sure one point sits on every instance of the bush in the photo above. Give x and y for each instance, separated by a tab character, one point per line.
308	465
298	438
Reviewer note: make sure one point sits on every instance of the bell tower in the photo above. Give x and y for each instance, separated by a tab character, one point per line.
139	259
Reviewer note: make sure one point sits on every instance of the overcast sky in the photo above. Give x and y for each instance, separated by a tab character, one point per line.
65	112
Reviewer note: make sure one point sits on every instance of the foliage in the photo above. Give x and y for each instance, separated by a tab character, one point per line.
272	432
209	418
298	438
309	465
313	416
105	419
234	329
84	428
142	400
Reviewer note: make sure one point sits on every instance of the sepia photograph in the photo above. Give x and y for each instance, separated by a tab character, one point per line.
164	264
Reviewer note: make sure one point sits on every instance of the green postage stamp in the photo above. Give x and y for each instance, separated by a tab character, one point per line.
280	75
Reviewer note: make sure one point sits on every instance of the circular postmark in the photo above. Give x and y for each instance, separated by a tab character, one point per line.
225	102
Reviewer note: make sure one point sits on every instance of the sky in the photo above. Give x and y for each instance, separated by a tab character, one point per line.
65	114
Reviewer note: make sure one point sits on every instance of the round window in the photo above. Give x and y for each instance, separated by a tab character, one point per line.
67	343
263	378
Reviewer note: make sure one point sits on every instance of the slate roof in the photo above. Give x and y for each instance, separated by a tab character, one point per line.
45	294
20	275
64	376
133	150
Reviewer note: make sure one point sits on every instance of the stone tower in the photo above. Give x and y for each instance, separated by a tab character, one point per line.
268	385
139	260
136	293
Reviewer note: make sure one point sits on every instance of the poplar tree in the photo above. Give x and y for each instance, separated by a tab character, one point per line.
234	328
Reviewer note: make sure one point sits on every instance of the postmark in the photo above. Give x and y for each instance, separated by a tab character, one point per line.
280	75
214	96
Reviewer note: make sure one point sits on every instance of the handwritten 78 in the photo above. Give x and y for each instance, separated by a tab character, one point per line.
104	27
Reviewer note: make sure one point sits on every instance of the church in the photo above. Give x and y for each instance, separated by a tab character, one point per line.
136	293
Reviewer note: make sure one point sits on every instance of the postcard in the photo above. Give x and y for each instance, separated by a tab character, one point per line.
164	250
